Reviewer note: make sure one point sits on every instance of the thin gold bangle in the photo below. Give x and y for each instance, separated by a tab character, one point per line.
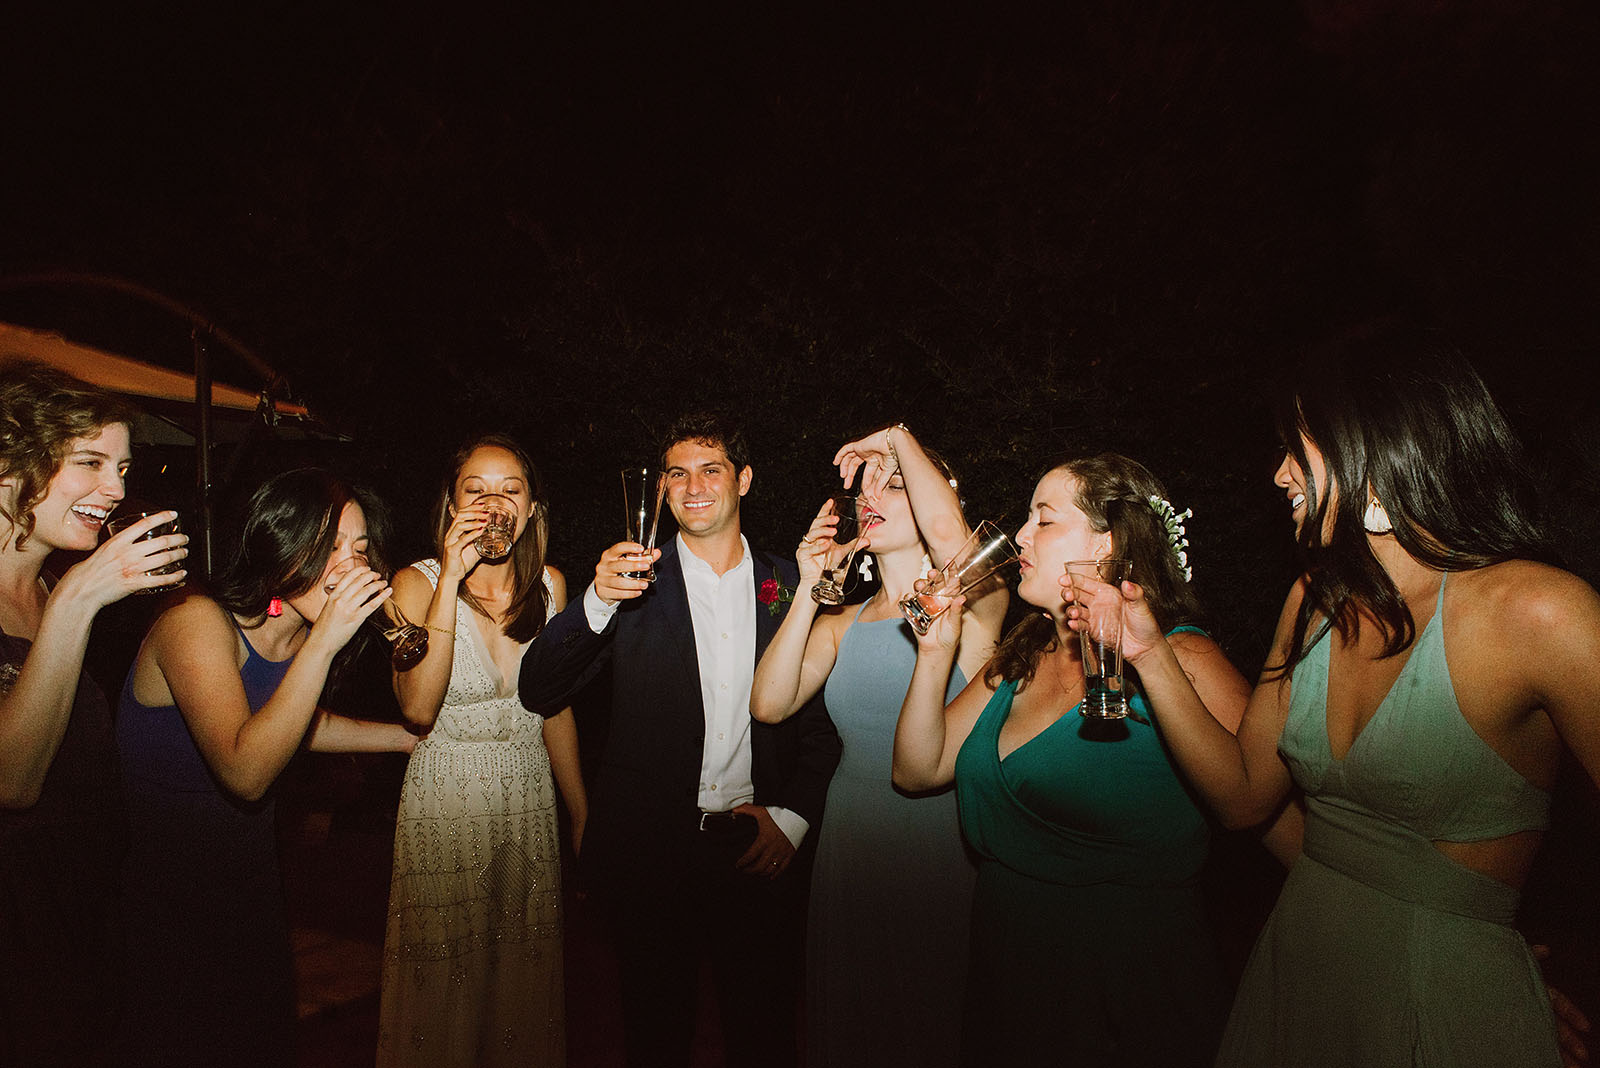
887	440
439	630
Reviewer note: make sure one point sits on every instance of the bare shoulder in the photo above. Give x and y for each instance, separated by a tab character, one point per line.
191	614
558	585
1526	593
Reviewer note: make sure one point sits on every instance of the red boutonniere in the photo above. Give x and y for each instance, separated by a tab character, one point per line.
774	594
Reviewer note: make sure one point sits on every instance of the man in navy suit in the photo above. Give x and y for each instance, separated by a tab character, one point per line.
699	811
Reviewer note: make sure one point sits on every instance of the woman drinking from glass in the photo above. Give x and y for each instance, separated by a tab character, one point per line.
222	695
890	866
1089	940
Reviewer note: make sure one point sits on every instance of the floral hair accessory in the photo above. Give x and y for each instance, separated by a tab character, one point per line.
1177	537
773	593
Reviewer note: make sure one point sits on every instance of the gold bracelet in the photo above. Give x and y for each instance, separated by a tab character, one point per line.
439	630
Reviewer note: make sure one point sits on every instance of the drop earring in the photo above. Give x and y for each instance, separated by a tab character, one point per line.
1376	520
275	607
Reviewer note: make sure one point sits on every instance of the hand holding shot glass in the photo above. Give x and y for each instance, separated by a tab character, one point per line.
408	642
855	518
643	489
1097	591
986	550
125	520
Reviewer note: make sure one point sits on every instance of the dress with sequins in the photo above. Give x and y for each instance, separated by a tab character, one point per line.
472	950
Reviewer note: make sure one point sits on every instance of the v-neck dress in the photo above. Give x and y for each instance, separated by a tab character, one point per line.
472	950
1090	944
1381	950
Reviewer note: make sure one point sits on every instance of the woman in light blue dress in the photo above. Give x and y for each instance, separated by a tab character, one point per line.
891	889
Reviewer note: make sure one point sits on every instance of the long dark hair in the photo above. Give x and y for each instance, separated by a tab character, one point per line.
42	412
1396	408
525	617
1114	493
287	535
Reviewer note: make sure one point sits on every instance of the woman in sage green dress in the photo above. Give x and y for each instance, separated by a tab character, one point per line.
1426	676
1089	942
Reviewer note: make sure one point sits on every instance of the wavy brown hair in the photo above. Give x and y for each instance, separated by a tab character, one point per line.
525	617
1114	493
42	412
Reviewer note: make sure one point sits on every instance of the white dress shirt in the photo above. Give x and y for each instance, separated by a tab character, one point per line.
722	609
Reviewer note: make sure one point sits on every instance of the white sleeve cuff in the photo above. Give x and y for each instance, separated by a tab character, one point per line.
596	611
793	825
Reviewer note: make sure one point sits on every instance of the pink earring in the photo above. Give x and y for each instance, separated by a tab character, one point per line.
275	607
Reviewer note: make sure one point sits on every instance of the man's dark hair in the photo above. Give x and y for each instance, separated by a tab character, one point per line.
712	429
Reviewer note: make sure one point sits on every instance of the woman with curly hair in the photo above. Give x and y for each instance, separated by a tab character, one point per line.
1089	940
64	453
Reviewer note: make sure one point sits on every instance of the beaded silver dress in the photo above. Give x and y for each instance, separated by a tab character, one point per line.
472	950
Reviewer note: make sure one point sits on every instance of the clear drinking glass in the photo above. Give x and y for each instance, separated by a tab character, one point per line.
495	540
986	550
643	489
127	519
1100	640
855	517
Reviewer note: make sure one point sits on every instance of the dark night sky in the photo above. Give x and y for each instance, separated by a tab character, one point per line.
1021	233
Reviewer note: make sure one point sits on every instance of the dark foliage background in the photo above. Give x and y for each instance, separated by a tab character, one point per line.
1024	232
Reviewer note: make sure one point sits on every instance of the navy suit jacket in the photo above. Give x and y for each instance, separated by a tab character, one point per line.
644	808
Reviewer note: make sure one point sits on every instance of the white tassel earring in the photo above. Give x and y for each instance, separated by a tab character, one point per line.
1376	520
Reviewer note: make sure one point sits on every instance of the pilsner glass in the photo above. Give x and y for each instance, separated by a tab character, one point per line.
643	489
1101	637
987	550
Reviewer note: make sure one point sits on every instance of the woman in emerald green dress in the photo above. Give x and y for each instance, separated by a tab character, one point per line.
1089	940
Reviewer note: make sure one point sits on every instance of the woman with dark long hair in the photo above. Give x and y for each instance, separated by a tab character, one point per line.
64	453
1089	941
1427	675
472	953
221	696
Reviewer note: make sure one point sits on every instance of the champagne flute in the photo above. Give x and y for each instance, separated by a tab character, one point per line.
987	550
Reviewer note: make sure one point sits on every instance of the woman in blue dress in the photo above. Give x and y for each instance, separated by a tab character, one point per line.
222	694
890	865
1426	679
1089	941
64	453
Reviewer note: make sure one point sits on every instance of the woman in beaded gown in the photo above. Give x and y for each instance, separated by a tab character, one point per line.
890	865
64	452
472	962
1426	678
1089	940
222	695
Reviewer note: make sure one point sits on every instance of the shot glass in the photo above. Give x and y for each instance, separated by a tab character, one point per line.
643	489
495	540
986	550
408	643
122	522
1100	640
854	519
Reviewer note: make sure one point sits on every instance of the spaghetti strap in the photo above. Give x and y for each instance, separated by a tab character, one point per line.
862	608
